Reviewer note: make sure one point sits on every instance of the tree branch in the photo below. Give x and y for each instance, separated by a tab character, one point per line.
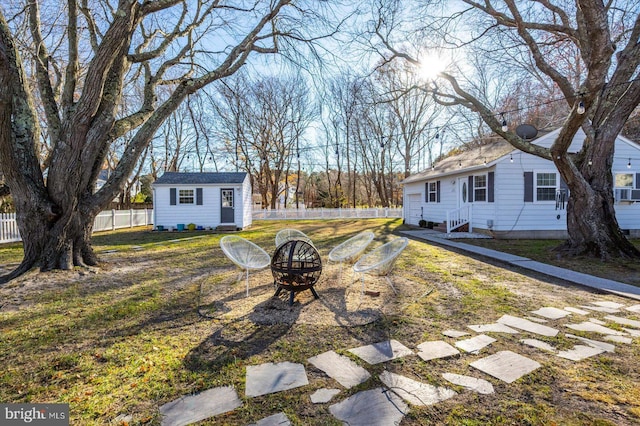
71	74
42	72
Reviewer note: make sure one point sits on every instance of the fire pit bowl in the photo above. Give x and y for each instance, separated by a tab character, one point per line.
296	266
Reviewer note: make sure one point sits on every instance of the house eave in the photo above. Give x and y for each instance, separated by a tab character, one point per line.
436	175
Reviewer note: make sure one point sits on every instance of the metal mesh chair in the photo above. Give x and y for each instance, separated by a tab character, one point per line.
351	249
289	234
380	261
245	254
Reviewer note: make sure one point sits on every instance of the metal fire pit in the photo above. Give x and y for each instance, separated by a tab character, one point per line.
296	266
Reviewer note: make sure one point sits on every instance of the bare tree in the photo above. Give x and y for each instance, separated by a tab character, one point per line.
413	111
589	50
84	72
267	118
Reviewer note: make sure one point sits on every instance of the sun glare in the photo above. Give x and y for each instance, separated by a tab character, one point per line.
431	66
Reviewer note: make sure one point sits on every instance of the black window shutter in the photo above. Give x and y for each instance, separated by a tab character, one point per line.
437	191
490	184
470	189
426	192
528	187
198	196
637	180
172	196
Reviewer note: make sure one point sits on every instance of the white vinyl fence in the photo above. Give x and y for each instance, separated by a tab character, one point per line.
327	213
105	221
117	219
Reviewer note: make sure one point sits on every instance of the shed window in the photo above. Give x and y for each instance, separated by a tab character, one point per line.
480	188
546	186
186	196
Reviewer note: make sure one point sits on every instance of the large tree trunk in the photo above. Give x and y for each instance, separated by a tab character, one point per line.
591	219
54	241
593	228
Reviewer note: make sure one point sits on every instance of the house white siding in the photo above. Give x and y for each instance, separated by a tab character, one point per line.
514	214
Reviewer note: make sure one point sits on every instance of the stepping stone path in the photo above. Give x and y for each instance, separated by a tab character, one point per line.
414	392
551	313
595	328
527	325
340	368
193	408
381	352
602	309
576	310
623	321
324	395
371	407
506	365
495	328
607	347
269	378
471	383
476	343
279	419
455	333
436	349
580	352
538	344
388	406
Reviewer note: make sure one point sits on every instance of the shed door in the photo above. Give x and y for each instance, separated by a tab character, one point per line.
227	214
414	213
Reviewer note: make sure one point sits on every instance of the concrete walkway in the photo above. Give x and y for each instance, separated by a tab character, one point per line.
608	286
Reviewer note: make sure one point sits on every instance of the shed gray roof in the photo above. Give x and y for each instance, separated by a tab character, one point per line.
177	178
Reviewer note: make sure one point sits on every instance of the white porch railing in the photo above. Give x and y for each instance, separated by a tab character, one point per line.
459	217
284	214
105	221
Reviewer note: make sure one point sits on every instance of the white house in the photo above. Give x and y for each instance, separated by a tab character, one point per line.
504	192
204	199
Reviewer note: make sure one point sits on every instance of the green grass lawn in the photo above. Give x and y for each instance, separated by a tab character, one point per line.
623	270
125	338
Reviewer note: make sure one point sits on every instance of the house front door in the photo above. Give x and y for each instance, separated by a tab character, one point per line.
227	209
463	192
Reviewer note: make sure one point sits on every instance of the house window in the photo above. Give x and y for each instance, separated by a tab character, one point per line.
480	188
433	192
546	185
624	180
186	196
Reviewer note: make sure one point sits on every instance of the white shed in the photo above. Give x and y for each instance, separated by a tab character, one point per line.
204	199
507	193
